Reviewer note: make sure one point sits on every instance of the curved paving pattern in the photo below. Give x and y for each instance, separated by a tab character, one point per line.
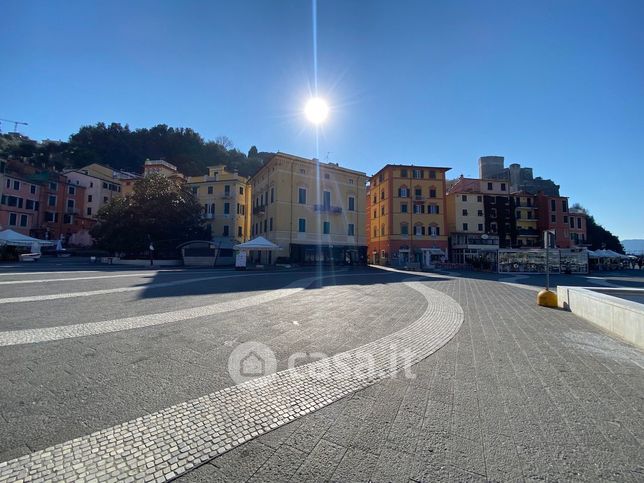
30	336
166	444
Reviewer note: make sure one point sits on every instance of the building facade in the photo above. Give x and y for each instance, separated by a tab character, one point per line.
225	198
101	184
314	211
407	215
554	215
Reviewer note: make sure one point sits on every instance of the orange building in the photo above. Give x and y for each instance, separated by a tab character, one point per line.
406	215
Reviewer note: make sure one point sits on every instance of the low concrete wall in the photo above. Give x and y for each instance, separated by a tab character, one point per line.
601	307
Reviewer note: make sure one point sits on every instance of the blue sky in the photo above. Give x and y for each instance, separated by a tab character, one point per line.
556	85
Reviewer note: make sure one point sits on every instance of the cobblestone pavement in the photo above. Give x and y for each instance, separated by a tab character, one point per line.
519	393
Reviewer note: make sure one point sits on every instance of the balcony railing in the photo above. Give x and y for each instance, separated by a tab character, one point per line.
327	208
259	210
209	216
226	195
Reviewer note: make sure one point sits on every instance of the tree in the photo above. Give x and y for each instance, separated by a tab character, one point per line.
596	235
160	210
225	142
252	152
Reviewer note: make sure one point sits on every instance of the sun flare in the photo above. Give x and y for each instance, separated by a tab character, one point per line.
316	110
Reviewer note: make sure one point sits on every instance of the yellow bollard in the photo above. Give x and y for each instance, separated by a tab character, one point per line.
546	298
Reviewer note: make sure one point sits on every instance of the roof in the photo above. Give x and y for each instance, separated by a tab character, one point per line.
13	238
312	161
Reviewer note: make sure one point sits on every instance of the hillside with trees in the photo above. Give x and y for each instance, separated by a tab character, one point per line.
597	236
120	147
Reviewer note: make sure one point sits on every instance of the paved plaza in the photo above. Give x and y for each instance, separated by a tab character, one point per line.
113	374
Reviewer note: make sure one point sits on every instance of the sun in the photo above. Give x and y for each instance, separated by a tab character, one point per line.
316	110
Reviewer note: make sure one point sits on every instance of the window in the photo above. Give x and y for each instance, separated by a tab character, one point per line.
375	232
32	189
375	213
433	209
327	198
326	227
301	224
565	219
13	219
579	223
404	229
270	224
529	215
326	176
23	220
418	193
382	211
302	196
479	199
51	201
16	185
210	190
480	226
8	183
350	180
375	199
553	205
105	187
52	217
226	230
30	205
272	195
226	208
105	199
67	219
564	206
403	173
419	209
265	226
352	203
89	211
382	195
502	186
489	186
382	230
464	197
239	231
419	230
91	184
70	204
434	230
71	190
403	192
432	174
572	222
553	218
464	226
302	171
227	190
464	212
518	215
241	190
479	213
89	198
432	193
403	207
418	173
351	229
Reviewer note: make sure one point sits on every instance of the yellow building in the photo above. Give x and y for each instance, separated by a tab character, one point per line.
314	211
407	222
225	198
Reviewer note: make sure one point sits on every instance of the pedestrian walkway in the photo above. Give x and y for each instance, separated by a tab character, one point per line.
521	392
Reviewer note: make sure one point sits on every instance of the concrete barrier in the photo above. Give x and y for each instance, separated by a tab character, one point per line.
605	308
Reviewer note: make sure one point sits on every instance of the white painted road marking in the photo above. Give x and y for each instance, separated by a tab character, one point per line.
29	336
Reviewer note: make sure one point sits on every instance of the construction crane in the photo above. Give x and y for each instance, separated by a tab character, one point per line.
15	124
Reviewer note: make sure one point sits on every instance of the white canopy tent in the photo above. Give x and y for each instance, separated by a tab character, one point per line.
13	238
260	243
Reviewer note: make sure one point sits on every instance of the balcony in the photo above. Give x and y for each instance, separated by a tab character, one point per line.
327	209
259	210
227	195
209	216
